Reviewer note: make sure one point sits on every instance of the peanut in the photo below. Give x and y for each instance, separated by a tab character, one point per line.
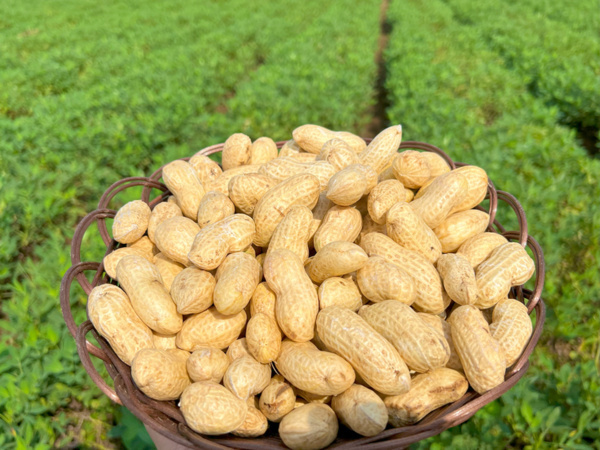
111	260
312	398
210	329
341	223
174	238
281	169
511	327
245	190
263	301
477	182
164	341
459	278
292	233
459	227
262	151
255	425
477	248
303	157
337	153
236	283
291	147
238	349
383	196
221	183
160	374
309	427
192	291
183	182
168	269
311	138
214	206
336	259
246	377
263	338
131	222
339	291
415	169
277	400
443	327
380	280
349	185
381	149
206	169
160	213
236	151
207	364
361	410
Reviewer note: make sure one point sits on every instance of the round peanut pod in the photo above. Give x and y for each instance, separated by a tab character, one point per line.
293	231
511	327
477	248
182	180
214	206
255	424
221	183
309	427
477	185
160	374
263	338
459	227
314	371
160	213
164	341
210	329
192	290
291	147
111	312
412	169
459	278
481	356
336	259
236	151
142	282
111	260
379	280
337	153
206	169
236	283
246	377
437	165
361	410
245	190
211	409
372	356
311	138
428	392
168	269
341	292
341	223
131	222
381	149
281	169
207	364
263	301
383	196
174	238
263	150
350	184
238	349
277	400
444	327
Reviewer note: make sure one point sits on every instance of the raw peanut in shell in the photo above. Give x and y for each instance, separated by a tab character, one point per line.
422	347
145	245
341	223
459	227
383	196
111	312
311	138
160	213
263	150
263	301
174	238
372	356
336	259
111	260
349	185
381	149
214	206
238	349
313	398
142	282
412	169
245	190
508	265
206	169
426	278
236	151
246	377
221	183
214	242
160	374
192	290
309	427
380	280
477	248
236	283
511	327
341	292
308	368
183	182
300	190
290	148
277	400
361	410
210	329
477	182
168	269
207	364
481	356
255	425
443	327
263	338
211	409
437	165
409	230
428	392
293	232
281	169
297	302
164	341
337	153
131	222
459	278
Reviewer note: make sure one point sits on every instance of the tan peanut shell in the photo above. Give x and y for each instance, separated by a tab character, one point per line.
297	302
312	370
111	260
337	153
459	227
192	290
309	427
341	223
263	338
263	150
422	347
236	151
412	169
437	165
350	184
168	269
214	206
144	244
160	213
245	190
381	149
246	377
164	341
303	157
111	312
293	232
477	185
131	222
372	356
210	329
508	265
380	280
459	278
383	196
142	282
206	169
277	399
477	248
311	138
409	230
211	409
281	169
481	356
313	398
361	410
426	278
160	374
300	190
207	364
255	425
341	292
174	238
183	182
263	301
444	327
238	349
214	242
221	183
429	391
336	259
511	327
236	284
291	147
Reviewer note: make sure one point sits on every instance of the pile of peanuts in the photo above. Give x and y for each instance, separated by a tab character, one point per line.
362	280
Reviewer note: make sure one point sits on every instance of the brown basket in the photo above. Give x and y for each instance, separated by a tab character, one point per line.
166	418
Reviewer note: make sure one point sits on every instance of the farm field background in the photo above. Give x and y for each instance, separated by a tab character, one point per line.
91	92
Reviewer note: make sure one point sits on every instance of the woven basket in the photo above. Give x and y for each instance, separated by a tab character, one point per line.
166	418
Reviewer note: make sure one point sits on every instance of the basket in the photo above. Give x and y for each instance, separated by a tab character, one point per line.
167	419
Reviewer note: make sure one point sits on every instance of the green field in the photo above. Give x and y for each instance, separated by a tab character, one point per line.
91	92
